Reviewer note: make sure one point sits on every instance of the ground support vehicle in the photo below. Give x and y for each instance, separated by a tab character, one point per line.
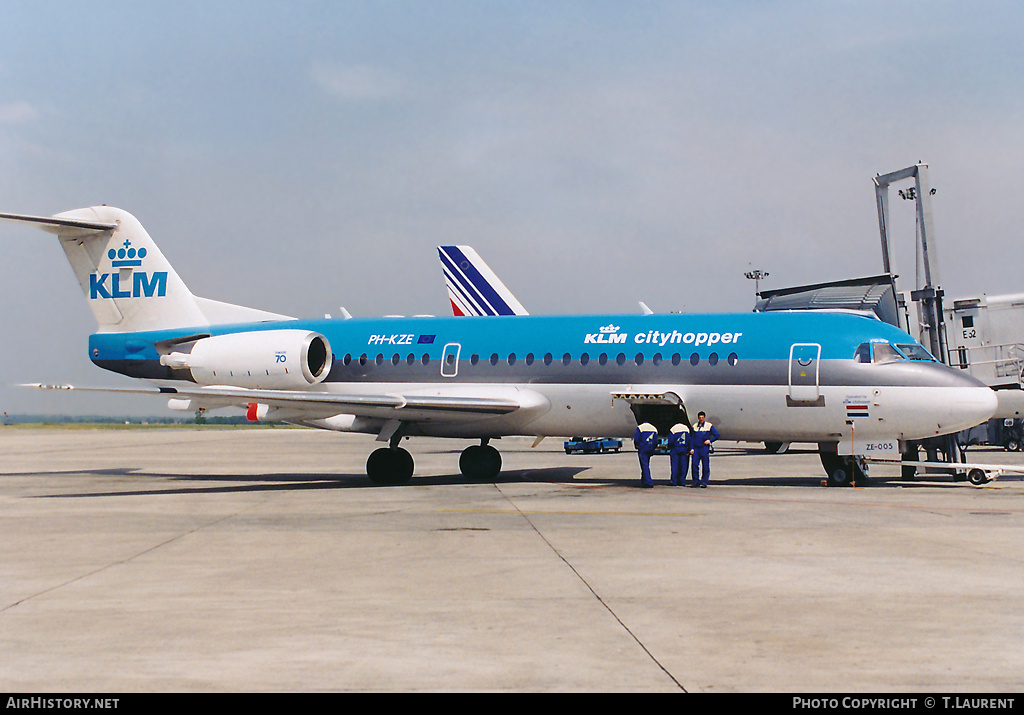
592	445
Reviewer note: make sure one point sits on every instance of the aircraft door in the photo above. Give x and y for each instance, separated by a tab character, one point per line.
450	360
804	359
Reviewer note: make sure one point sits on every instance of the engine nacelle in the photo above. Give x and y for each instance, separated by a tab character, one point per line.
260	359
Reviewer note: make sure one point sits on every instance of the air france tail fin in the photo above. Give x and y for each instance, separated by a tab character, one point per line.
473	288
127	282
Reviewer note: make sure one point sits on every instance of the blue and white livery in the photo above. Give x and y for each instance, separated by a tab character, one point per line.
835	379
473	288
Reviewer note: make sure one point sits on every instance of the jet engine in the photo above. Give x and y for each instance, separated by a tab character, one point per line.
259	359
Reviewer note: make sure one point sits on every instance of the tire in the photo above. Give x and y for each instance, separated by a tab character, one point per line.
479	463
389	467
977	477
846	472
840	477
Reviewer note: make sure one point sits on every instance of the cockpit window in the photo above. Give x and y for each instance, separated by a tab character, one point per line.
881	351
915	352
884	352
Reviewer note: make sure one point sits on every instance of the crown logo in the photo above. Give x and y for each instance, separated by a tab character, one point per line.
610	329
127	256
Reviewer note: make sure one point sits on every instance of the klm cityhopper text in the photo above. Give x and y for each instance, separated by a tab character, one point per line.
609	335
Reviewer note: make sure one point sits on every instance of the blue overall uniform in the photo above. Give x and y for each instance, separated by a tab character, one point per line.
679	453
702	452
645	439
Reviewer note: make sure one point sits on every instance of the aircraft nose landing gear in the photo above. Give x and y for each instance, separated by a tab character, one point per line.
843	471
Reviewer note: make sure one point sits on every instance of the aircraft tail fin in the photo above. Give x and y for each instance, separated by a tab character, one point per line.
473	288
129	284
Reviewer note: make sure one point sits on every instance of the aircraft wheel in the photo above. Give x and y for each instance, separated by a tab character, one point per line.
977	477
1012	445
480	463
388	467
847	473
840	477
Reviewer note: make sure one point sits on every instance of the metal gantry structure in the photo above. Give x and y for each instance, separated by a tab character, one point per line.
928	292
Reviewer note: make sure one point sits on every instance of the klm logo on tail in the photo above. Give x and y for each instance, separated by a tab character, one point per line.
142	285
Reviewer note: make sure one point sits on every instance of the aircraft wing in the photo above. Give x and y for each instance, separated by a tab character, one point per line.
405	407
408	407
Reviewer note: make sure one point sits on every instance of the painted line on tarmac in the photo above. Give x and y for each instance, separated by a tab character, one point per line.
566	513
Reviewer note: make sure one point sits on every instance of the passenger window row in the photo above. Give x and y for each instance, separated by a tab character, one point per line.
547	359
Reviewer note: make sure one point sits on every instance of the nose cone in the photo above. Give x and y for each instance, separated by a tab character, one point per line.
973	406
943	401
967	402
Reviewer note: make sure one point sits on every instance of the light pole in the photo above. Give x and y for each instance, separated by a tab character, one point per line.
756	276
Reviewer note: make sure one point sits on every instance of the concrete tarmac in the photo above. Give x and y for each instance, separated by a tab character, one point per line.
263	560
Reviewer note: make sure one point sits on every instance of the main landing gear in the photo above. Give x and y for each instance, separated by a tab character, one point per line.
480	462
390	466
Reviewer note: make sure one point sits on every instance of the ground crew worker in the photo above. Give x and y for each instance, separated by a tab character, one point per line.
679	453
645	439
704	433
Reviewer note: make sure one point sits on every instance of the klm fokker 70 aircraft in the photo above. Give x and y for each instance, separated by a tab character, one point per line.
848	382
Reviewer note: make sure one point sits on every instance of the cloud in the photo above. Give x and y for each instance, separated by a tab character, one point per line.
358	83
17	113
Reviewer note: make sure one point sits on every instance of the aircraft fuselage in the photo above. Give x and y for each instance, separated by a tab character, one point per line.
759	376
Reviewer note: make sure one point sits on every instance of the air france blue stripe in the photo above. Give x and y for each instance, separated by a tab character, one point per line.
476	282
466	290
455	284
472	305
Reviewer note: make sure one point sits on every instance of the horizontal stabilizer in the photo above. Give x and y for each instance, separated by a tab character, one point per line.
64	226
128	283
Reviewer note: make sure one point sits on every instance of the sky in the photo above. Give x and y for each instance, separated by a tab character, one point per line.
300	156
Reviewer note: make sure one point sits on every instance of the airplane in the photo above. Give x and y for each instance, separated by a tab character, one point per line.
845	381
473	288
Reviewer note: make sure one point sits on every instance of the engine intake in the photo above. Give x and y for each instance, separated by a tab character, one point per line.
259	359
